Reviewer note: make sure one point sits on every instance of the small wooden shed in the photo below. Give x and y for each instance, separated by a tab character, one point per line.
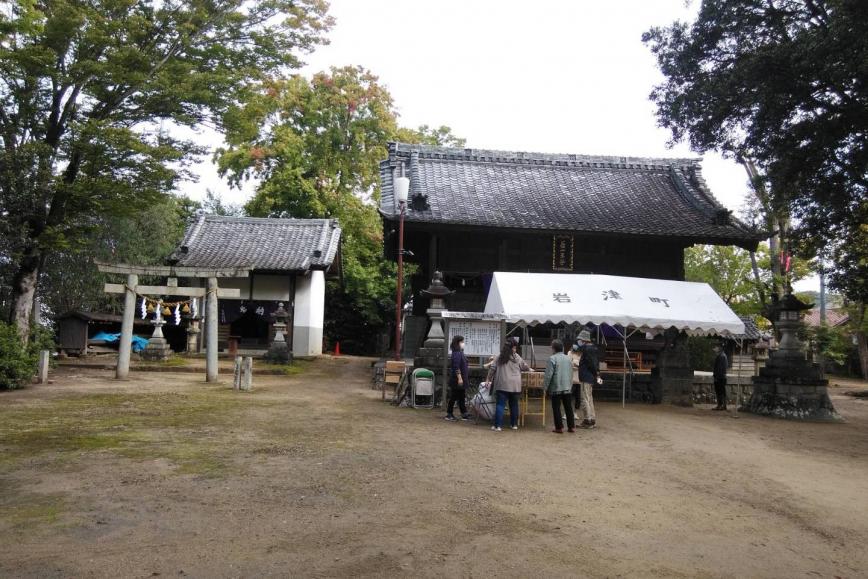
76	327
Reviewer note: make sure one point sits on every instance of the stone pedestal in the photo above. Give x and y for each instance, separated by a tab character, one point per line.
193	332
158	348
431	354
789	386
672	376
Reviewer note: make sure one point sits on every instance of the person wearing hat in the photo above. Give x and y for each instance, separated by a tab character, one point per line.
575	358
558	383
589	374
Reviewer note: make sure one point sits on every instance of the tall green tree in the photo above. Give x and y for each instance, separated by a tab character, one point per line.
729	271
783	86
84	86
315	145
70	280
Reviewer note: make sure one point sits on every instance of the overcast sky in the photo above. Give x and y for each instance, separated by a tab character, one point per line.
552	76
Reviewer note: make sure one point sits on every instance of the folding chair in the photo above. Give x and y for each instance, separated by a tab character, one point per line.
422	385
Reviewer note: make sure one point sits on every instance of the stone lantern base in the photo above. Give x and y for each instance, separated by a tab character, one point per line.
793	389
157	350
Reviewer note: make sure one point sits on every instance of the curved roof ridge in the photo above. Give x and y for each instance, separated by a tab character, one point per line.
397	149
313	221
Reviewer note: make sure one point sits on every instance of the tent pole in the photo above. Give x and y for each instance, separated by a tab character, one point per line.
738	377
446	357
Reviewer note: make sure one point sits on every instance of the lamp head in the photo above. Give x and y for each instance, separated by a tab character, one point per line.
402	189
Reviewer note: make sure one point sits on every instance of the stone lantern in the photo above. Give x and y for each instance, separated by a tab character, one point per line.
430	355
438	292
789	386
158	347
278	352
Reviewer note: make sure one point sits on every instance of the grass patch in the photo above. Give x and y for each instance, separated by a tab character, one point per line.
294	369
30	511
173	361
180	427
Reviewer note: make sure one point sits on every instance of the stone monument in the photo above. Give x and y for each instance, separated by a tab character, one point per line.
278	352
158	348
789	386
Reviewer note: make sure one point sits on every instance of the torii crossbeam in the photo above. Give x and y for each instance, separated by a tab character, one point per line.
212	293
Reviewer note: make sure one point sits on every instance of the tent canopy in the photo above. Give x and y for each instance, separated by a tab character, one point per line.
645	304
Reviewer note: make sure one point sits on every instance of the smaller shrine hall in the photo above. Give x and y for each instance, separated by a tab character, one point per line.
289	260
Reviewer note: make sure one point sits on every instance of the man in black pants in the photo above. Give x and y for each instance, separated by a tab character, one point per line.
720	366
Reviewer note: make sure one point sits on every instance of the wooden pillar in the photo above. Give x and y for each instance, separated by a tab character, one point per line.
211	332
126	342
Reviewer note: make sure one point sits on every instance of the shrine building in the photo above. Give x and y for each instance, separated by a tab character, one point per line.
289	260
472	212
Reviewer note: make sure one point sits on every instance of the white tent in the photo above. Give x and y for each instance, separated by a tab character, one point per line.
637	303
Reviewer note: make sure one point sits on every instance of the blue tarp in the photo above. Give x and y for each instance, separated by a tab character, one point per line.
139	342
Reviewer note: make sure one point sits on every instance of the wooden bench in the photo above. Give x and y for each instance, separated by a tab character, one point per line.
615	362
395	372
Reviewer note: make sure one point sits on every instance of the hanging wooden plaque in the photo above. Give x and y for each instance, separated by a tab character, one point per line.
562	252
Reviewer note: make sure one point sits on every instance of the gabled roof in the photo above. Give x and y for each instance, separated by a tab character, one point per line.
570	193
834	317
268	244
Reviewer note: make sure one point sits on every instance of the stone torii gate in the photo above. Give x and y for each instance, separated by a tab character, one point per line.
132	287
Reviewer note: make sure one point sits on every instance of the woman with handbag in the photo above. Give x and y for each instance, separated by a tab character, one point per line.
458	378
507	383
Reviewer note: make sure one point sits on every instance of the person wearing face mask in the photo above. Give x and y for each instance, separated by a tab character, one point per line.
507	383
458	379
589	374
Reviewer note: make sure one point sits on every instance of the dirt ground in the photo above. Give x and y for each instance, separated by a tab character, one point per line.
313	476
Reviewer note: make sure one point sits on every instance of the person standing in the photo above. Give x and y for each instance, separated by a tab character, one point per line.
589	374
458	379
558	383
575	358
507	383
721	363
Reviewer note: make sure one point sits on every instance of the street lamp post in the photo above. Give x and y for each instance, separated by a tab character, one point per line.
402	189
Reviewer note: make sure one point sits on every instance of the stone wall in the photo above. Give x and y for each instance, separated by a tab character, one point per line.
703	389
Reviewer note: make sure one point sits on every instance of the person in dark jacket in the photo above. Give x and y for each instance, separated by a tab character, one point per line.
589	374
458	379
721	363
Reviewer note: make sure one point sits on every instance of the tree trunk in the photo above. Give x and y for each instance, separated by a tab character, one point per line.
757	280
862	344
24	292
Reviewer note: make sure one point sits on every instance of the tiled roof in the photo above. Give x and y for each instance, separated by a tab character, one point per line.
834	317
751	330
576	193
259	243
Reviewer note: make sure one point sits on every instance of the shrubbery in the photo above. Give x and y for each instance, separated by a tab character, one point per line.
702	352
17	362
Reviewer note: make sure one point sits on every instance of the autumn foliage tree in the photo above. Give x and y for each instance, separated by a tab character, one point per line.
314	147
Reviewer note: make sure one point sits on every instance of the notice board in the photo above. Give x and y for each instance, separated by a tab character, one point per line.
481	338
